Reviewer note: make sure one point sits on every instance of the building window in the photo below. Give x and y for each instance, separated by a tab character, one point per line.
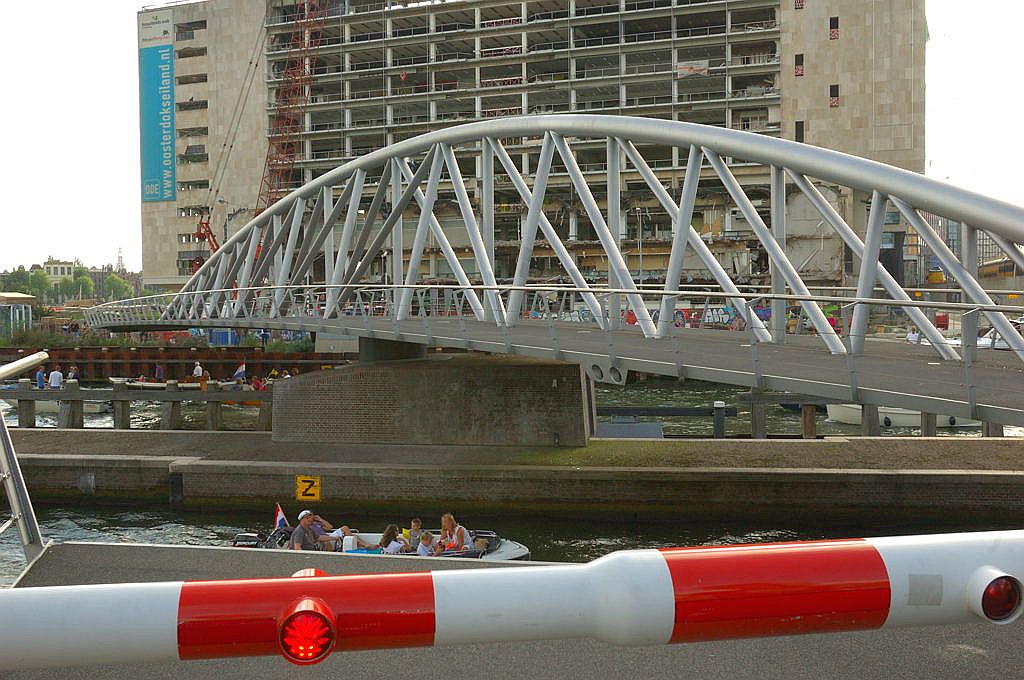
798	132
833	28
798	65
193	105
186	52
798	4
191	79
833	96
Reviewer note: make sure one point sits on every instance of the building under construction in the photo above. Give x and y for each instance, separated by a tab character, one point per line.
242	100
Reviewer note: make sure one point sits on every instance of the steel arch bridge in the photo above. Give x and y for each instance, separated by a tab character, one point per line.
306	264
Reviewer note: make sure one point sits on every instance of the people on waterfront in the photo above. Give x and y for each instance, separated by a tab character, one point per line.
425	547
56	378
73	373
197	370
913	337
158	373
204	378
303	536
454	536
257	384
40	377
274	373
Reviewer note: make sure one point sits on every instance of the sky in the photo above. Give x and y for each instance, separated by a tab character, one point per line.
70	120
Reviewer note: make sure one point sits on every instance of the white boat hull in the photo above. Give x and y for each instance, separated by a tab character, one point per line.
51	407
152	385
505	549
893	417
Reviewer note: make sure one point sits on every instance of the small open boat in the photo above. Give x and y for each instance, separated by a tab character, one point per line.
152	384
889	416
487	545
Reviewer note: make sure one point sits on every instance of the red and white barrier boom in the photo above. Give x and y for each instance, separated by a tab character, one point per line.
638	597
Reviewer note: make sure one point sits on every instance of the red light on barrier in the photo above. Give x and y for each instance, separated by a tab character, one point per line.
306	633
1001	598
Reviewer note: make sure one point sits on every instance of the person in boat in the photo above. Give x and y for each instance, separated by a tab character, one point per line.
425	547
389	542
327	534
56	378
73	373
257	384
454	536
412	534
158	373
273	373
40	377
913	337
303	537
197	370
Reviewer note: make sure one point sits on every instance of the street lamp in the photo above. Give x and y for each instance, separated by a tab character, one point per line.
231	215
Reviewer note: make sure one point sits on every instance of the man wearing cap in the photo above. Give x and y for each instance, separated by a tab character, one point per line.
303	537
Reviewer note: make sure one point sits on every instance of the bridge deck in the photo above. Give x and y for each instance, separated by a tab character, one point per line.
890	373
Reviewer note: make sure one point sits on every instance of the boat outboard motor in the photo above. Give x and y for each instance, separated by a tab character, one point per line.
278	539
247	540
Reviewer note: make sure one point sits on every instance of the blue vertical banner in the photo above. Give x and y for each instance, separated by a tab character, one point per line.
156	106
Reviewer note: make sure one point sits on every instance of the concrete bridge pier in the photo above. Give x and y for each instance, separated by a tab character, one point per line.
214	413
374	349
122	408
26	408
170	411
928	424
71	414
991	430
439	400
869	425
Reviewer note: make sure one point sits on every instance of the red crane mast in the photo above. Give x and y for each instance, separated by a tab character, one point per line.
288	119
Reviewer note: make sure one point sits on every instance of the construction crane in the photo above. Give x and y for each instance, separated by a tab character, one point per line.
288	119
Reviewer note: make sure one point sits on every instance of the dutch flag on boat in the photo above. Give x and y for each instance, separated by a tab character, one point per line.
279	519
239	373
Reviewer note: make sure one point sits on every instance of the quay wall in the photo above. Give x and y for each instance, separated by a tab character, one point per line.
171	468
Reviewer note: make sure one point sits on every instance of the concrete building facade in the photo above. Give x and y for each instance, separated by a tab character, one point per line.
843	75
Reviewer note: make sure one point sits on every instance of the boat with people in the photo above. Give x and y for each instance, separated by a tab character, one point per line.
481	544
487	545
890	416
151	384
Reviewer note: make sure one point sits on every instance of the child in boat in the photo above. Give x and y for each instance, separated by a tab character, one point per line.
412	534
426	545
